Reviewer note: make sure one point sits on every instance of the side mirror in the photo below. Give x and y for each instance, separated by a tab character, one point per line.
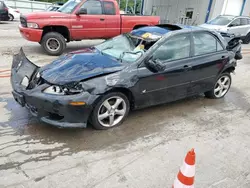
155	65
82	11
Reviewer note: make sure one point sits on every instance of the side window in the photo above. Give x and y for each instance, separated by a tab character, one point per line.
175	48
204	43
243	21
248	21
236	22
109	8
219	47
1	5
93	7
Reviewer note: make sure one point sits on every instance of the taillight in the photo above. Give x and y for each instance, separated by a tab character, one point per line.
17	11
6	9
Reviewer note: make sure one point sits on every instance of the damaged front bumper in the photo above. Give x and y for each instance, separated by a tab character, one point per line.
52	109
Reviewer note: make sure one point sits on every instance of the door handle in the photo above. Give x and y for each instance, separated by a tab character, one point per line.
222	57
102	19
187	67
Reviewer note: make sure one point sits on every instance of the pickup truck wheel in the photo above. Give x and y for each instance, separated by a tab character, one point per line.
53	43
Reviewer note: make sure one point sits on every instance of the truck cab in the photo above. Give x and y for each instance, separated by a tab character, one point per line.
77	20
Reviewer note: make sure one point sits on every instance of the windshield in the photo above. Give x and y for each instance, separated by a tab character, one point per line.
69	6
221	20
123	47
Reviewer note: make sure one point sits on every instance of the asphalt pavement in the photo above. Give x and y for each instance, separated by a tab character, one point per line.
145	152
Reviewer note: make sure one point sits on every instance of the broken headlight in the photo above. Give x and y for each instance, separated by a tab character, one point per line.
55	90
59	90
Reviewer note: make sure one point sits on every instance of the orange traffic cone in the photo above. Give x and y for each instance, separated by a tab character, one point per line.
185	177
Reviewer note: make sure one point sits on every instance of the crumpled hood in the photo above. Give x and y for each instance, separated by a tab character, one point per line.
78	66
43	15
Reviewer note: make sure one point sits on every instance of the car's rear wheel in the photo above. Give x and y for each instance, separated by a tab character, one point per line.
11	17
53	43
110	111
221	87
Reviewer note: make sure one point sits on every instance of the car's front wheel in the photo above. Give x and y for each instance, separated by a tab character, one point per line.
221	86
11	17
110	111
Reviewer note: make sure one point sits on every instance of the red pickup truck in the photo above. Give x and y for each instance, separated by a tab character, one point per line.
77	20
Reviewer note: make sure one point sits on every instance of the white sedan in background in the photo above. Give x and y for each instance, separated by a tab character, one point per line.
14	14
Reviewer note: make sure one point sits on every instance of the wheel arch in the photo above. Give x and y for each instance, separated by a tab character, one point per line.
63	30
228	69
127	92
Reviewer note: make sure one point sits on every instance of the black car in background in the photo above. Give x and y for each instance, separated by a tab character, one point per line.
4	13
146	67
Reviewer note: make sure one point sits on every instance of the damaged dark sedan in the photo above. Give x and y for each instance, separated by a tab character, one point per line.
149	66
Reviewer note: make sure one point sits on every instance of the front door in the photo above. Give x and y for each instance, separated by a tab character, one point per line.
90	25
209	58
112	20
171	83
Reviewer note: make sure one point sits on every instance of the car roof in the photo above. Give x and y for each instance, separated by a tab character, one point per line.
235	16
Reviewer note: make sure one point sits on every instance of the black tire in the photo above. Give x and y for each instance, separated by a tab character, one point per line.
11	17
211	94
98	106
246	39
59	41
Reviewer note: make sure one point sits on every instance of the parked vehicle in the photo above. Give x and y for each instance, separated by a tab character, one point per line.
77	20
14	14
3	12
149	66
237	25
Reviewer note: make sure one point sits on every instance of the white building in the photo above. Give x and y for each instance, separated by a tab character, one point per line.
194	12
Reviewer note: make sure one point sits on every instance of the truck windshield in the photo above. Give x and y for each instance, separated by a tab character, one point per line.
123	47
221	20
69	7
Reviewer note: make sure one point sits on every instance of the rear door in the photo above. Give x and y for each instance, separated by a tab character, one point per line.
172	83
208	60
112	20
90	25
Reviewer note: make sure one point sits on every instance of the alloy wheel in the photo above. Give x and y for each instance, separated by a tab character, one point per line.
112	111
222	86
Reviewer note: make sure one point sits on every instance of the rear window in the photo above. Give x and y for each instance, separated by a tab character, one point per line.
109	8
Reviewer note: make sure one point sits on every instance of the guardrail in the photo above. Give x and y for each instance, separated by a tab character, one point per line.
27	6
